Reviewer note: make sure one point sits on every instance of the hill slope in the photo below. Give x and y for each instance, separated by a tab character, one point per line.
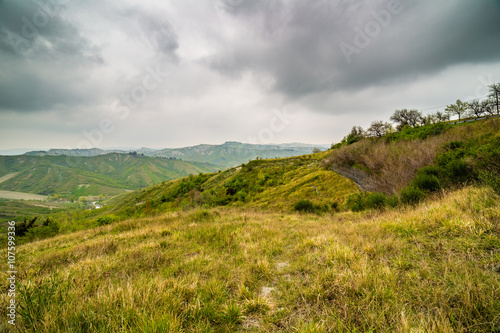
104	174
275	183
457	153
430	268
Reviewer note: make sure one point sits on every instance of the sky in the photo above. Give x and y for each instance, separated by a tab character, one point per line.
173	73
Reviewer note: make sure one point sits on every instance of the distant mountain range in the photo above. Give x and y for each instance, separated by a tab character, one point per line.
76	176
227	155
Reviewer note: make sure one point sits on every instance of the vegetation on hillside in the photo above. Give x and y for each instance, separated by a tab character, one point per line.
391	162
72	177
276	184
433	267
423	155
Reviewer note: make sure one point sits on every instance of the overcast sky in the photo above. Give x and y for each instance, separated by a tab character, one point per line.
171	73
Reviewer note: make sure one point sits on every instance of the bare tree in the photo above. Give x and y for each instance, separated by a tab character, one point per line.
459	108
475	109
357	131
487	106
495	95
428	119
406	117
378	129
440	116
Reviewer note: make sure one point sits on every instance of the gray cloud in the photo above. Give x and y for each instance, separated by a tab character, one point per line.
45	57
157	31
232	63
305	56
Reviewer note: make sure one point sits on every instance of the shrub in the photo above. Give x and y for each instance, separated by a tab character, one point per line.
426	182
201	215
241	196
454	145
375	201
430	170
392	201
456	169
105	220
305	206
491	179
335	206
355	202
412	195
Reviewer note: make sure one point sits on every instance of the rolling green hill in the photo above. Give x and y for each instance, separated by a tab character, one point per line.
265	184
82	176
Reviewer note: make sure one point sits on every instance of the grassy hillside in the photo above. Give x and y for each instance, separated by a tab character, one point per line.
81	176
430	268
459	153
264	184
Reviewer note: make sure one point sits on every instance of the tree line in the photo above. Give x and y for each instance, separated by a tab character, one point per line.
413	118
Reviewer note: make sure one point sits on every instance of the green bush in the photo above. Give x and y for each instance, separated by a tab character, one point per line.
241	196
411	195
201	216
392	201
304	206
430	170
491	179
456	169
355	202
426	182
375	201
454	145
106	219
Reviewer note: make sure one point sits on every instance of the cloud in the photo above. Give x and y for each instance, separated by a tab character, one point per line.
46	60
156	30
232	63
304	51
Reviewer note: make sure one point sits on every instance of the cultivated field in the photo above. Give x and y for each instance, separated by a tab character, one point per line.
21	196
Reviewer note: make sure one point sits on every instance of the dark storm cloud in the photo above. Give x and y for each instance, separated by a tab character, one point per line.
156	30
41	53
316	46
49	62
38	29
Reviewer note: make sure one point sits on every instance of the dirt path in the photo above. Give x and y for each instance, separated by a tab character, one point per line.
21	196
8	176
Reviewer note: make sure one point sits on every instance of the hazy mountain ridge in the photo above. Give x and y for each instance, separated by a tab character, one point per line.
228	154
231	154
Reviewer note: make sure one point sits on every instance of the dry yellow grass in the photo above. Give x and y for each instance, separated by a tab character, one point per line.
431	268
393	165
